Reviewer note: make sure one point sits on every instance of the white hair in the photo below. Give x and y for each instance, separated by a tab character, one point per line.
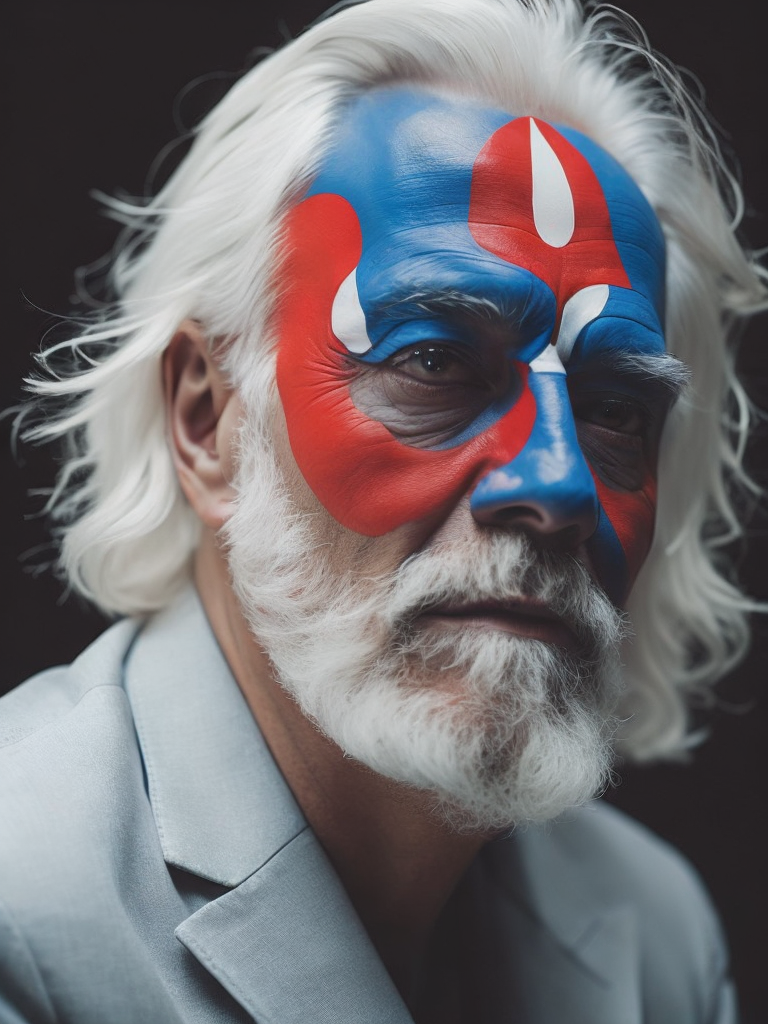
206	246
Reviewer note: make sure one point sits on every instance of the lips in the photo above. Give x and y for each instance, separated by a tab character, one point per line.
524	617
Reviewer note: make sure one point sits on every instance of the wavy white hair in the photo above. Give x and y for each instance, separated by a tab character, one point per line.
205	247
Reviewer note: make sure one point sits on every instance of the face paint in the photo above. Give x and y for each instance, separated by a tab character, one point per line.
445	268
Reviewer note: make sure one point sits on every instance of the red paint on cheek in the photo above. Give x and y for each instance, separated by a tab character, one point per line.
632	515
367	480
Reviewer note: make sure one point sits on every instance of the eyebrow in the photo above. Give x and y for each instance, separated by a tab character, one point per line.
447	301
660	370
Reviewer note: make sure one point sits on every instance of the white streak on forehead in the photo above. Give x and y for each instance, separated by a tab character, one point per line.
553	211
348	318
547	361
579	310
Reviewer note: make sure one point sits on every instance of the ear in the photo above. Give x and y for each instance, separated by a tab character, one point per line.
202	416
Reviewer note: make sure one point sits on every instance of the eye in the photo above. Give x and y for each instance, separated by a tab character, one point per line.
613	433
439	364
621	415
428	393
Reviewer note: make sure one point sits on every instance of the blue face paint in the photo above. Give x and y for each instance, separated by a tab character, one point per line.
440	225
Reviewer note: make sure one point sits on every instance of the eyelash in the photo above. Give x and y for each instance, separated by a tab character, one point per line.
618	402
584	405
465	357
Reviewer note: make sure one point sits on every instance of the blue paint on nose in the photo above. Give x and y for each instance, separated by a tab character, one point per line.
547	488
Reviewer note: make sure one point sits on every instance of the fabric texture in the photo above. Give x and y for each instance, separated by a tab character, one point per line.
154	866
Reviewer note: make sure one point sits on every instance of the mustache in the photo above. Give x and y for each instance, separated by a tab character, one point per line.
499	569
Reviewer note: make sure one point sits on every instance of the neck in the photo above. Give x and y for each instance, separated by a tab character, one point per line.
398	861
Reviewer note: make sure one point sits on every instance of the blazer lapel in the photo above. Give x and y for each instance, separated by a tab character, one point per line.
285	941
287	944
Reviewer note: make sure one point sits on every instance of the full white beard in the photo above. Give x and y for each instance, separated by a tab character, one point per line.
500	729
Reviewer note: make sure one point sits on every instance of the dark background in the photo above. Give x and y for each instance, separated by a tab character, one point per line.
92	93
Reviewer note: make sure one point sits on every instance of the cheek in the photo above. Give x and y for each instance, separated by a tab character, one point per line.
368	481
631	515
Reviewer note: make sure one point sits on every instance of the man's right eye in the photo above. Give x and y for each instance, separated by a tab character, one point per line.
428	393
439	364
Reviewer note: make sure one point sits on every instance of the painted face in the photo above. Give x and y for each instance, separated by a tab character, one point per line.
471	303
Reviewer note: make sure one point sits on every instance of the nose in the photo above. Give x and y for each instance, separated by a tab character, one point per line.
547	490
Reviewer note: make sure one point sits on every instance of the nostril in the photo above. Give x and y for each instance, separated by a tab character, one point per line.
562	529
547	534
515	513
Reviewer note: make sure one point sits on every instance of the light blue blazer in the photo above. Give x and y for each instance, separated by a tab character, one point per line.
155	869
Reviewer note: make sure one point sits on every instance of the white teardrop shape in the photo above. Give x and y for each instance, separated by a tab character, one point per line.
553	212
582	307
348	318
547	361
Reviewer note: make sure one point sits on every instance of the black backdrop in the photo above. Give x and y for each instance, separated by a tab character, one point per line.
93	92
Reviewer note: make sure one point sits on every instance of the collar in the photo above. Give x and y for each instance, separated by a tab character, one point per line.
284	940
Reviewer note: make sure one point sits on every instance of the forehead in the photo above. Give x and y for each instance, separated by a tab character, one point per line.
453	195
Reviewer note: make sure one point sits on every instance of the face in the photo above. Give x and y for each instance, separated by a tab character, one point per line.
471	306
472	371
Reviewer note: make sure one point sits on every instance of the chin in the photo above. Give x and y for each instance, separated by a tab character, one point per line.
499	730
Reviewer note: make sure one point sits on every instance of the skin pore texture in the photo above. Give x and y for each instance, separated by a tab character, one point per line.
471	385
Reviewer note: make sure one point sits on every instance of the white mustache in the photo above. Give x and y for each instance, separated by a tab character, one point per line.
504	568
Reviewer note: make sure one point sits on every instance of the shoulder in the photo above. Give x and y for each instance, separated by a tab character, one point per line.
48	698
67	747
610	859
76	828
597	864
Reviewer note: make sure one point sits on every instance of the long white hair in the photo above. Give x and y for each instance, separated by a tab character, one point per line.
206	247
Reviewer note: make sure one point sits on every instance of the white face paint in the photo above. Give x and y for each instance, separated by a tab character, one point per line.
553	210
348	318
582	308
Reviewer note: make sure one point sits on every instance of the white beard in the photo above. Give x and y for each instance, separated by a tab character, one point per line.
501	729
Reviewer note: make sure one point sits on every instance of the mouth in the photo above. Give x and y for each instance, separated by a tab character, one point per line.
525	617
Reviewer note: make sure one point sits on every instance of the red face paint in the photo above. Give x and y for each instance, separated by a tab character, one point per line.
501	214
367	480
391	206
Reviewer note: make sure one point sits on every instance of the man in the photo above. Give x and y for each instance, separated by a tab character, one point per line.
388	377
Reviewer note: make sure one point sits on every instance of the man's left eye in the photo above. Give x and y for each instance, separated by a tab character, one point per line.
621	415
614	432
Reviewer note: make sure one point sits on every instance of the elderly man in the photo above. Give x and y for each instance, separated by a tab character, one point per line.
388	430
